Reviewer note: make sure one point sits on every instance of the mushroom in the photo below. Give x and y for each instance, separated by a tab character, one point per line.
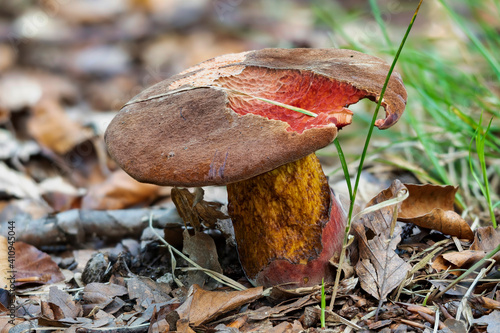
224	122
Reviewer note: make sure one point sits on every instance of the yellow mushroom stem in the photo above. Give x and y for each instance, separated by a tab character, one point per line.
287	224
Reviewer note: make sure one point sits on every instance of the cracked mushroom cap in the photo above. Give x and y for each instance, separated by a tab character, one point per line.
205	126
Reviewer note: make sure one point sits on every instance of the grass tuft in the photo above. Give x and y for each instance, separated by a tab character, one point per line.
353	192
483	183
451	71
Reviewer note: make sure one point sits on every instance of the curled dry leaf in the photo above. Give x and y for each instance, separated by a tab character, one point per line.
202	306
192	208
441	264
462	260
52	128
379	268
120	191
485	302
431	206
183	200
486	239
34	266
381	220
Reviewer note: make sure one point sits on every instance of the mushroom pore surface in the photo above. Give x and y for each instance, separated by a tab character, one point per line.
299	88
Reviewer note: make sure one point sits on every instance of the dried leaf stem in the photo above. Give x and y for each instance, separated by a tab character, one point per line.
215	275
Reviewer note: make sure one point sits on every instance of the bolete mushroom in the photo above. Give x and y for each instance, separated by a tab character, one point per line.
223	122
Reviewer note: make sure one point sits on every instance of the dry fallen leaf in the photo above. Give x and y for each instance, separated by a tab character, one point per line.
101	295
486	239
456	290
34	266
52	128
183	200
281	311
147	291
162	319
61	299
201	249
431	206
459	260
202	306
59	193
192	208
487	302
379	268
14	184
464	259
120	191
492	320
286	327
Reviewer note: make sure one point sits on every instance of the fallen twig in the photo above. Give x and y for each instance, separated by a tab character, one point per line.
77	226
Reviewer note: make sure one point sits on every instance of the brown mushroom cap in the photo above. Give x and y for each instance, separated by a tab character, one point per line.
203	127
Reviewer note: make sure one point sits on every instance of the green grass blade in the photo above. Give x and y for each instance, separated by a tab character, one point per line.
380	21
323	304
336	22
364	153
484	183
345	168
375	114
270	101
495	65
